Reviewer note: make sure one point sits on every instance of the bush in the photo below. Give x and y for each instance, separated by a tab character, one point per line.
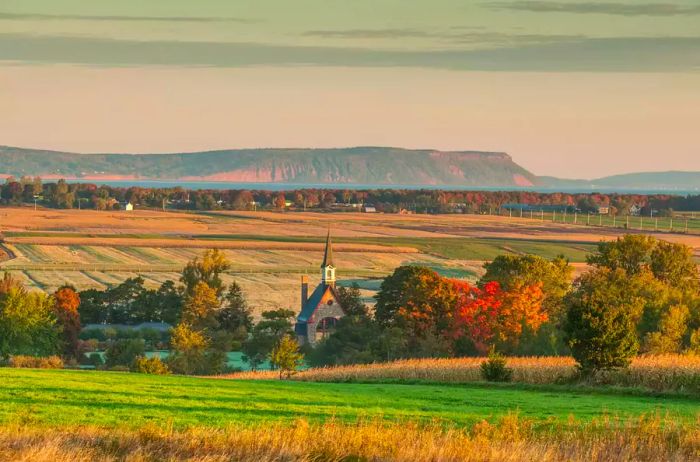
95	359
495	370
124	352
152	365
35	362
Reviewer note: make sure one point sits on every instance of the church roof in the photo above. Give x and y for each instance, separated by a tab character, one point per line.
328	255
312	303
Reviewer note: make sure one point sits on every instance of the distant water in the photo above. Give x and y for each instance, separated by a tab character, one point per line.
193	185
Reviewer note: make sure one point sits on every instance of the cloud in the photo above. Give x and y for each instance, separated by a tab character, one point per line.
611	8
456	35
64	17
634	54
367	33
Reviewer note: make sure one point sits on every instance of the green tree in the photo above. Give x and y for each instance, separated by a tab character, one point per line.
274	325
601	319
674	265
235	317
28	324
631	253
672	328
286	356
350	299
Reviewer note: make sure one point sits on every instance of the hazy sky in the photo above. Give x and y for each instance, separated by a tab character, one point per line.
568	88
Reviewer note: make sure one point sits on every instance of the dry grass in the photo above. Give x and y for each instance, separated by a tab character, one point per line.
659	373
513	439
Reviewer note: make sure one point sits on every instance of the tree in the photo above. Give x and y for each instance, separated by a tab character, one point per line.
601	319
274	325
286	356
207	270
350	299
417	300
673	264
512	271
235	317
631	253
201	308
27	324
672	327
66	312
188	351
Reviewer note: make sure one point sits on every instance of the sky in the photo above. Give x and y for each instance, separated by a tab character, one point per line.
575	89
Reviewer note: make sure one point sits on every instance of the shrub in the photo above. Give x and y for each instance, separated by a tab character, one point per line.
124	352
35	362
495	370
95	359
152	365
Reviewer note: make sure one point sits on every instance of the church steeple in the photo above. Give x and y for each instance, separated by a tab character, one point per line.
328	267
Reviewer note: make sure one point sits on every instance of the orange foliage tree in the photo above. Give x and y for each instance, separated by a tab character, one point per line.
67	302
490	315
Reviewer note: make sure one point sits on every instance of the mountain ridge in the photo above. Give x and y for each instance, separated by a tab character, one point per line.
366	165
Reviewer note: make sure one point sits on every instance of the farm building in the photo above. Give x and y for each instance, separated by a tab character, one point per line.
129	207
320	311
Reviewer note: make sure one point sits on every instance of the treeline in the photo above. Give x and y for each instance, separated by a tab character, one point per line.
78	195
641	295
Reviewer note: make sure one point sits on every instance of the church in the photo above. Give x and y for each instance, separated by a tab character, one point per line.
320	311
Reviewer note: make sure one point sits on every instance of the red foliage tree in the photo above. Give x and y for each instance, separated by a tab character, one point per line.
490	315
66	309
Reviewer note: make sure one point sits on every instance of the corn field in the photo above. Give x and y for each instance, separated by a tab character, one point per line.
678	373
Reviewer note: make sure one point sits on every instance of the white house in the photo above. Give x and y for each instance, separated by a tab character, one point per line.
129	207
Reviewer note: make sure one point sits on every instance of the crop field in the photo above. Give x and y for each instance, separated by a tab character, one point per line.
662	373
270	250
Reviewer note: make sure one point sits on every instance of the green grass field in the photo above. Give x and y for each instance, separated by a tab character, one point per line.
61	397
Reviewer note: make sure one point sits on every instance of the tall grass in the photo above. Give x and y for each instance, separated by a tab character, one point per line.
678	373
513	439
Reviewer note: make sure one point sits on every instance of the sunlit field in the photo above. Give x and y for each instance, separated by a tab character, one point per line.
679	373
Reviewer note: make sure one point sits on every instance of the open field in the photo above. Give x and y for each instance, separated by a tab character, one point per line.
63	397
270	250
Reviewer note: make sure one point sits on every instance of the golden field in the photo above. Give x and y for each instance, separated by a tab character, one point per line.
270	250
513	439
658	373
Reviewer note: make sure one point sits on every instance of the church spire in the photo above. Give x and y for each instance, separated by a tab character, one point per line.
328	255
328	267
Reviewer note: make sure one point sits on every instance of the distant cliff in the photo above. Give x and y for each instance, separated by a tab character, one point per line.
360	165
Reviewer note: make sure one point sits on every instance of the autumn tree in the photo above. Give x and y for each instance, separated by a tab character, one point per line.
207	270
488	316
416	300
201	308
67	302
188	354
555	277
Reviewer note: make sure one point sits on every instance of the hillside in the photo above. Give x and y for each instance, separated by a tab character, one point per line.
360	165
649	181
